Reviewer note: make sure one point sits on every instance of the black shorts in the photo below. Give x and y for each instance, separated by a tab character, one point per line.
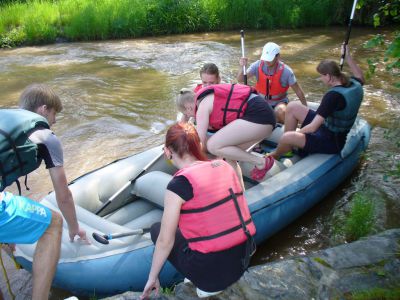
209	272
259	111
323	140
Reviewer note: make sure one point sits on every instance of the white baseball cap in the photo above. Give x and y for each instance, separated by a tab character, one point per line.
269	51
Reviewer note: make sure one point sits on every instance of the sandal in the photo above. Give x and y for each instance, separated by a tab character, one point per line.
288	154
257	174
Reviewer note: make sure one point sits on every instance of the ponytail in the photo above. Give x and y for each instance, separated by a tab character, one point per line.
330	67
185	96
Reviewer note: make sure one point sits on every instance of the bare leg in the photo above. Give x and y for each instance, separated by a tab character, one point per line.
280	110
289	140
46	257
238	171
231	141
296	112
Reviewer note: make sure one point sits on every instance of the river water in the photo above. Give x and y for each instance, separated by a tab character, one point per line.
118	99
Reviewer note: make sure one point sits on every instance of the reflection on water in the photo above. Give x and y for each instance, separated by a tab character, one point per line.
119	96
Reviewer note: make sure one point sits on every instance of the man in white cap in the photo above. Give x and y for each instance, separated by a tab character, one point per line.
273	79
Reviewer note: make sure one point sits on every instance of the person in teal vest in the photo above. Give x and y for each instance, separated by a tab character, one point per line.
325	130
26	140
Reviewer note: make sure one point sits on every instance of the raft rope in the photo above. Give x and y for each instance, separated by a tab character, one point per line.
5	273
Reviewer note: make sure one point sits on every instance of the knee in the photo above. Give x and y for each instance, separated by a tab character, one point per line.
280	113
292	106
56	221
287	138
213	147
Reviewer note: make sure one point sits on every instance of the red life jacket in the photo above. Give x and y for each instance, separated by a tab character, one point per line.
210	221
270	85
230	102
198	88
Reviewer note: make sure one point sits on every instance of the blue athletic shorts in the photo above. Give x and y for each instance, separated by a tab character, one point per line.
275	103
22	221
323	140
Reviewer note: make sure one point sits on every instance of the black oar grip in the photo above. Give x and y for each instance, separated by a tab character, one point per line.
100	238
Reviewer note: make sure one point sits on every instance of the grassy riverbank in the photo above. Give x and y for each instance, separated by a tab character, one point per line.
40	21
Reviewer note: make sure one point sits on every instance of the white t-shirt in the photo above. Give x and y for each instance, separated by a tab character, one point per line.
50	148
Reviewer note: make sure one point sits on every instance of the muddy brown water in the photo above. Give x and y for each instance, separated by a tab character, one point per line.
118	99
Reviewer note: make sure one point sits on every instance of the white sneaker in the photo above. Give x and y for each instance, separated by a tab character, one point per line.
186	280
204	294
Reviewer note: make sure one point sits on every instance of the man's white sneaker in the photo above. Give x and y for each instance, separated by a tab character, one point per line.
204	294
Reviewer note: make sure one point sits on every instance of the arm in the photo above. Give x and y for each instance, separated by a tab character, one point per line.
243	62
314	125
65	202
165	241
355	69
299	92
203	117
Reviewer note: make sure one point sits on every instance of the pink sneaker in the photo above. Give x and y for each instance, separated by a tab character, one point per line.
257	174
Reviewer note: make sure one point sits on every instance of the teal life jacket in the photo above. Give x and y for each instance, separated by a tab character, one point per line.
18	155
343	120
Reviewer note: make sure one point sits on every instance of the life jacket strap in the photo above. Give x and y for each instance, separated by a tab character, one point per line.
250	244
26	182
217	235
227	104
276	98
211	206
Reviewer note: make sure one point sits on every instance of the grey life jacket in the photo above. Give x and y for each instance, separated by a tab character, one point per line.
18	155
343	120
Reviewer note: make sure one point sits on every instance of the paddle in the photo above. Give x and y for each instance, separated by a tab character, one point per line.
132	181
104	238
244	67
346	41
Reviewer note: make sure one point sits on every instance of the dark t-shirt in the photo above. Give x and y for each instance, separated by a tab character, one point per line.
182	187
331	102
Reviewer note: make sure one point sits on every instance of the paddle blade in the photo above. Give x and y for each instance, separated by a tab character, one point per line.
100	238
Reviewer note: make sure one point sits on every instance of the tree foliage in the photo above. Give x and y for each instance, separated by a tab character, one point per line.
387	13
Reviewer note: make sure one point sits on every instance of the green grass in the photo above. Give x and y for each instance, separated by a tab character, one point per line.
43	21
169	291
322	262
360	220
376	294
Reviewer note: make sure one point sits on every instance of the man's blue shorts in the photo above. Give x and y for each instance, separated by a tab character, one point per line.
22	221
323	140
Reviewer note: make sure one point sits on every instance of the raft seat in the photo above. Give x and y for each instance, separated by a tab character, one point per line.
146	220
152	187
130	212
148	190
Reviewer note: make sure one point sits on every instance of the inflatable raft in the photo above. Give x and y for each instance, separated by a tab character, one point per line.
133	189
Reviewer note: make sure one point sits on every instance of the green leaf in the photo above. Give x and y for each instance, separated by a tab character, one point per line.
377	20
381	273
393	65
394	48
376	41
